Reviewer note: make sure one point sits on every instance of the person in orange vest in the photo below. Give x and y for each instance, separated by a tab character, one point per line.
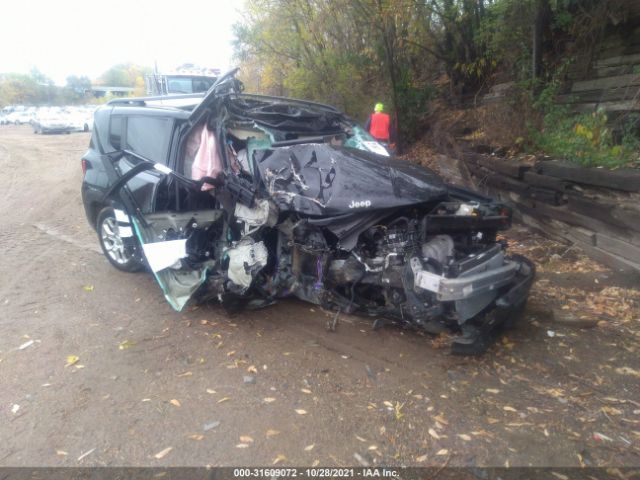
379	124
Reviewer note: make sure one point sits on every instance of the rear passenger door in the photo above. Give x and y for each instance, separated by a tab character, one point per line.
142	138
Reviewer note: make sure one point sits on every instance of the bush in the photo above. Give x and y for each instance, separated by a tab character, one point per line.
586	139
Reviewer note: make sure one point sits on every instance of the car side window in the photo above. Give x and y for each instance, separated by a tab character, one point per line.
115	131
149	137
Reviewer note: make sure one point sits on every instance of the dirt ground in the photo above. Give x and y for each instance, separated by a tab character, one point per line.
97	369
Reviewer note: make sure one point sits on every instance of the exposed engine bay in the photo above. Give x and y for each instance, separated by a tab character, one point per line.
298	201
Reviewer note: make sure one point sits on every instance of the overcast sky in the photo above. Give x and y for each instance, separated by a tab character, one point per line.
86	37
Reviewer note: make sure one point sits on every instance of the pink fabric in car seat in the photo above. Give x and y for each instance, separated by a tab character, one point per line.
207	162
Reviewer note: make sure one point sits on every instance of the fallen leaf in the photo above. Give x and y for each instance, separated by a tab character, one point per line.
422	458
268	399
443	451
185	374
126	344
279	458
305	390
224	399
15	408
72	360
211	391
315	463
196	437
89	452
88	288
509	409
492	390
242	445
246	439
300	411
272	433
628	371
361	460
600	437
163	453
434	434
360	439
252	369
62	453
372	447
465	437
611	410
174	402
25	345
308	448
441	419
211	425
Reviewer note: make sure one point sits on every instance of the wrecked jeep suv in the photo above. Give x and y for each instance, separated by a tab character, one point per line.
246	199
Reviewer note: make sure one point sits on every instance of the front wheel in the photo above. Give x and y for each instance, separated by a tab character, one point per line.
120	251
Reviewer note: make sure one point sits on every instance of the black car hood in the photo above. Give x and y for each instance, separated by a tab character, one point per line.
324	180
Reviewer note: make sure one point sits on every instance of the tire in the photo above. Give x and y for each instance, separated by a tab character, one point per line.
122	253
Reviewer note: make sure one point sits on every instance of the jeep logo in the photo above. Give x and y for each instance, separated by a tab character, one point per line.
360	204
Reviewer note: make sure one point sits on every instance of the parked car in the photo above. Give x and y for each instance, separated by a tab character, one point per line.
51	120
4	113
80	118
21	115
246	199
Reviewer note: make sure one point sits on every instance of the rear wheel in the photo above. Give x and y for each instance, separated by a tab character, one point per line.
122	252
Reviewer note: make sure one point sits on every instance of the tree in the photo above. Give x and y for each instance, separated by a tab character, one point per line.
123	75
75	90
21	89
350	53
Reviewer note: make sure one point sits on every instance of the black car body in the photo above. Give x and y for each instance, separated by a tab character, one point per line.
294	199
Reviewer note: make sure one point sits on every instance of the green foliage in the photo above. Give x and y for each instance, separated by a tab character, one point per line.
586	139
20	89
505	30
349	53
413	100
